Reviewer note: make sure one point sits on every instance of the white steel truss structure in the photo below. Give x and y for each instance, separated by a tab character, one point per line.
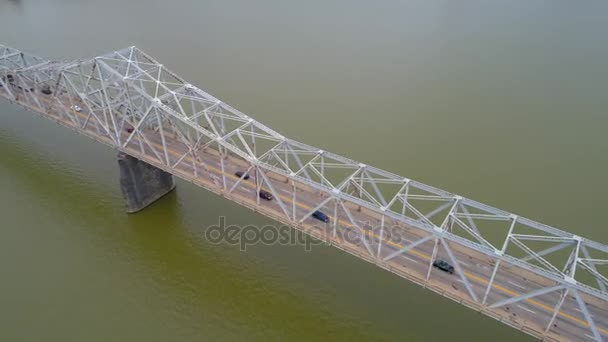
131	102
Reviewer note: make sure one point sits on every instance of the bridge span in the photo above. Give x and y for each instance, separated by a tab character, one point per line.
544	281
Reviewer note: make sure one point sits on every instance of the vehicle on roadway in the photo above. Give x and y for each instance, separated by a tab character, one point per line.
46	89
444	266
76	108
241	173
265	195
319	215
11	81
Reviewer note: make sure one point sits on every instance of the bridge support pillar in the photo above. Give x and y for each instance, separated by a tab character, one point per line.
141	183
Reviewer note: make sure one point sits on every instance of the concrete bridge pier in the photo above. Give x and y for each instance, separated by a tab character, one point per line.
141	183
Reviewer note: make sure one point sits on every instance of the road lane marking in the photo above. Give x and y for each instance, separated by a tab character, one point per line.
410	259
516	284
525	308
411	251
246	190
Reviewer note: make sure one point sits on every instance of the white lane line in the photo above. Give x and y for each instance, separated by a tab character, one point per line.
410	259
516	284
245	189
286	191
465	264
591	337
525	308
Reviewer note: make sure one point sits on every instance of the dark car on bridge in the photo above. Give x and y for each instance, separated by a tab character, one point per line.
241	173
320	216
444	266
46	89
266	195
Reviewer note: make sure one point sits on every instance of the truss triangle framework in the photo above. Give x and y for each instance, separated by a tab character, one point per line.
131	102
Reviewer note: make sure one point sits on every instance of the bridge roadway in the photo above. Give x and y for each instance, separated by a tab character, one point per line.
530	315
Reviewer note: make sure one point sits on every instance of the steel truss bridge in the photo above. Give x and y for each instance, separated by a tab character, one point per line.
542	280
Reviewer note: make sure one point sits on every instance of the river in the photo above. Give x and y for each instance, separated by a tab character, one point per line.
500	101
